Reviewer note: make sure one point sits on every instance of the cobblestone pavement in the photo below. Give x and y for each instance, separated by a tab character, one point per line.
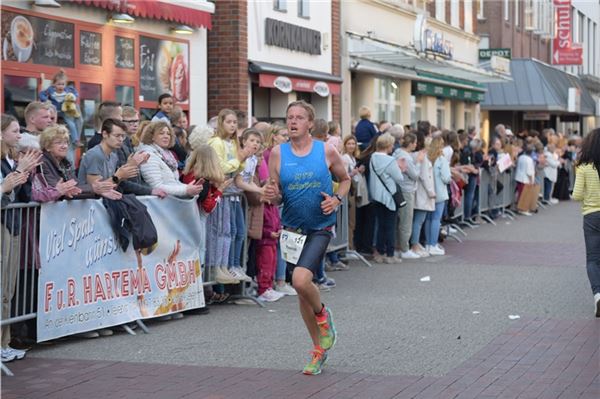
449	338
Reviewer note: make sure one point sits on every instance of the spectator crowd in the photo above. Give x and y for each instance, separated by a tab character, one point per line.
410	183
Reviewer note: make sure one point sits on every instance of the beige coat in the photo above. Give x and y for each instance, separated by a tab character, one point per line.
425	195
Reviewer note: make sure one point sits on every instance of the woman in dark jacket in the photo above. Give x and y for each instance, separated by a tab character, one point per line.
365	130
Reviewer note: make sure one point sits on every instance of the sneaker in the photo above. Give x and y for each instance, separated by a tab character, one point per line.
435	250
105	332
286	289
271	296
239	274
327	332
88	335
554	201
9	354
378	258
421	251
524	213
452	230
316	363
597	300
392	260
177	316
329	267
340	266
327	282
409	255
224	277
323	287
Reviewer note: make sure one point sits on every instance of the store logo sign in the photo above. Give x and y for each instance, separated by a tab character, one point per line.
283	83
427	41
563	50
321	88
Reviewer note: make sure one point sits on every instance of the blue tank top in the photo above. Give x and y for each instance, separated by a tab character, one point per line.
302	179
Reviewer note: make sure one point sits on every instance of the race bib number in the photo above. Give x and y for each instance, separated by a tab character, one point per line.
291	246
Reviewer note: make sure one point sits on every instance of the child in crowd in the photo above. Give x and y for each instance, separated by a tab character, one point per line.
165	107
525	177
65	98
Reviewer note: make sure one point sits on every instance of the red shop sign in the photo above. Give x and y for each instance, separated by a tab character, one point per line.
563	53
286	84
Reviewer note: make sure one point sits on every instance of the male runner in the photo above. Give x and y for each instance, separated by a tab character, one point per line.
300	173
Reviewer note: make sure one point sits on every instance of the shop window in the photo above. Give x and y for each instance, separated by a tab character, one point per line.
415	110
440	113
387	101
303	8
125	95
468	119
280	5
18	92
147	113
90	96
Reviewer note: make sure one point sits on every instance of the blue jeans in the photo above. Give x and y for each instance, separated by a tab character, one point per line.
386	230
74	125
419	217
433	221
281	266
470	196
238	232
591	234
547	189
333	257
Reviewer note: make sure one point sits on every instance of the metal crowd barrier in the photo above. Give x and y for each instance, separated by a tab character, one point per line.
483	199
340	240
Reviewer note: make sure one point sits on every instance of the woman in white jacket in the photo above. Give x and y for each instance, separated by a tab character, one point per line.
550	172
160	171
424	204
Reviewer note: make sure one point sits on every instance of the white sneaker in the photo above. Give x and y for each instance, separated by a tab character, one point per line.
596	301
452	230
239	274
9	354
105	332
524	213
554	201
223	276
286	289
88	335
271	296
434	250
422	252
410	255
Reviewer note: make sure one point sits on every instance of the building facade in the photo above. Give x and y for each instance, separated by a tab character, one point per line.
418	62
130	63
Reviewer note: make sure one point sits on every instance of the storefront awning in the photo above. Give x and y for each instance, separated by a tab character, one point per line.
156	9
536	86
289	79
362	48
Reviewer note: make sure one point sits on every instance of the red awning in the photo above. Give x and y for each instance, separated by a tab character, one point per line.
154	9
287	84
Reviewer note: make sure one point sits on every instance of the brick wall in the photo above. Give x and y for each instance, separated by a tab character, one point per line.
335	54
228	57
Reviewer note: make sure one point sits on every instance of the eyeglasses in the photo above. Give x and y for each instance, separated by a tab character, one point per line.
132	121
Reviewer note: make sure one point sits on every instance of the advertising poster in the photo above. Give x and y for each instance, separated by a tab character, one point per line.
37	40
87	282
164	68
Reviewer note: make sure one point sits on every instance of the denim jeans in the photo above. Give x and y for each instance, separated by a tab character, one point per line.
591	234
280	272
333	257
547	189
386	234
433	221
419	217
238	231
470	196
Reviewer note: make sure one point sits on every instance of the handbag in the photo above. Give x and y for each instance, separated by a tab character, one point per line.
397	196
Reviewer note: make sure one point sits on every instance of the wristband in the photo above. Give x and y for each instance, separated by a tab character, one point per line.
338	197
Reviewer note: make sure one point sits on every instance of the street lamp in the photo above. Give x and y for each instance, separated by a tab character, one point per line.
182	30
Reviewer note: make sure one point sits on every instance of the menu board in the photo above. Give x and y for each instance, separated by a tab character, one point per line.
164	68
124	52
28	39
90	48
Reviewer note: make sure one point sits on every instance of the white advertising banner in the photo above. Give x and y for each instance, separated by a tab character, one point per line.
87	282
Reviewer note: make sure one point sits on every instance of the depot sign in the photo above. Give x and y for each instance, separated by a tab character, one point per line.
563	51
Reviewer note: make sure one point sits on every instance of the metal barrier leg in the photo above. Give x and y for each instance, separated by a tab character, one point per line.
7	370
128	329
244	295
142	326
458	228
358	256
487	219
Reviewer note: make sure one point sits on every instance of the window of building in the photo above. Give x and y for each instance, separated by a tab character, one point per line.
480	14
517	11
506	13
530	14
303	8
18	92
125	94
440	113
454	13
484	42
280	5
415	110
387	100
468	4
90	96
440	10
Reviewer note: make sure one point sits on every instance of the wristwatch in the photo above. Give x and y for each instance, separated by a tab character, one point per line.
115	179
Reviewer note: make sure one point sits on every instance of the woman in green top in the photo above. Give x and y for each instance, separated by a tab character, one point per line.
587	190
